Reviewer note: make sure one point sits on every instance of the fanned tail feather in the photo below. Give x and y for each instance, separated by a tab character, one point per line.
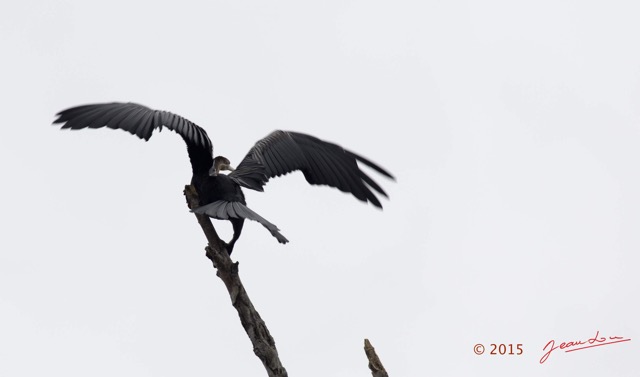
223	210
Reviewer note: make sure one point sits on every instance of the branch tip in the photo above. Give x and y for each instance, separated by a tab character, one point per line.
375	365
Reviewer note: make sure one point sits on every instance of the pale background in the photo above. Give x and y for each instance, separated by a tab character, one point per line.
513	129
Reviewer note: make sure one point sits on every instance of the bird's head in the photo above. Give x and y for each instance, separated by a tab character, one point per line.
220	163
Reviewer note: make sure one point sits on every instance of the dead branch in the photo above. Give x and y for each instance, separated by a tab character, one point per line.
377	370
263	344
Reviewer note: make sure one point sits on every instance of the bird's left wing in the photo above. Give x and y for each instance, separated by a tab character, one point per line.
137	119
140	120
321	162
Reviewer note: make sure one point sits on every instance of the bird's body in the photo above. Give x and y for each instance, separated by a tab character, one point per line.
217	187
221	195
220	188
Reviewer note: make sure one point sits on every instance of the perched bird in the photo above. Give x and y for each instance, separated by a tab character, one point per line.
220	195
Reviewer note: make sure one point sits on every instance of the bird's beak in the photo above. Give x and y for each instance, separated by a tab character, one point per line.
230	168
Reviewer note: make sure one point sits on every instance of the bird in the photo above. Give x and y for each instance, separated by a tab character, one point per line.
220	195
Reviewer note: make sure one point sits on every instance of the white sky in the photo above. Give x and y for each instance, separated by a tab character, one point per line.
513	129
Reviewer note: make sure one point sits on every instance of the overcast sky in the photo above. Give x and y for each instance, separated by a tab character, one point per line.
513	129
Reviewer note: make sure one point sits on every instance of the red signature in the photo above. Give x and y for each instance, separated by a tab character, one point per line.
596	341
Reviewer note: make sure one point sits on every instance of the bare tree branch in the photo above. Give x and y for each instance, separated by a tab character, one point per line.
263	344
377	370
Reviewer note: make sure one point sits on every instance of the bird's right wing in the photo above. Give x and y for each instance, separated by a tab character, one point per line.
141	121
321	162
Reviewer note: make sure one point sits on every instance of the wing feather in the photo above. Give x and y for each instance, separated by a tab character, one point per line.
70	113
321	162
324	170
120	116
141	121
138	121
99	116
103	120
131	117
75	123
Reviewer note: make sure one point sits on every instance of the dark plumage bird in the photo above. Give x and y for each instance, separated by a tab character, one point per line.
220	195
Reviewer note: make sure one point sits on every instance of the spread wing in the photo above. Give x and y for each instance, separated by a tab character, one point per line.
321	162
141	121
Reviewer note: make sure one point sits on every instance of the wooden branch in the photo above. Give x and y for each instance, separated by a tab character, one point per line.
263	344
377	370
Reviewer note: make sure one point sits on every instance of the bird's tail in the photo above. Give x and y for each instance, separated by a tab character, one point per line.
223	210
